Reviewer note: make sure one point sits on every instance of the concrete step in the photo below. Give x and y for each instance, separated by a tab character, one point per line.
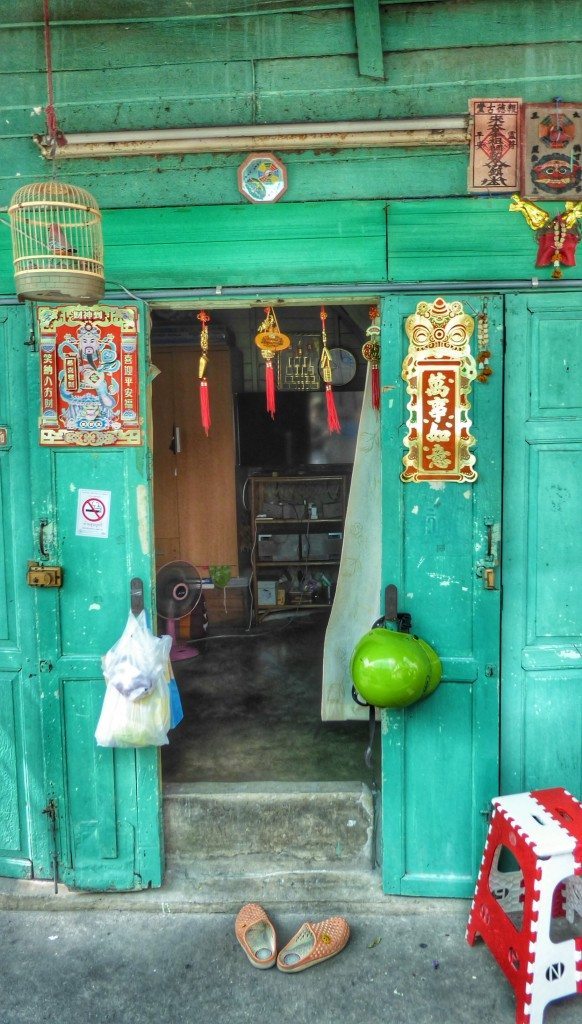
275	843
239	828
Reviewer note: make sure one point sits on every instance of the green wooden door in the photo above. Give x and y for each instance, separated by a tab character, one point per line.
23	834
440	757
541	730
108	802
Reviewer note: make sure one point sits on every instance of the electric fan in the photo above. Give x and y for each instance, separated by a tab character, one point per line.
178	591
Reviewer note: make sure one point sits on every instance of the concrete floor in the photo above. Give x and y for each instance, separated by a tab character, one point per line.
252	711
131	968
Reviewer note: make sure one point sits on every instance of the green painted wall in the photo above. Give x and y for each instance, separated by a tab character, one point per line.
431	240
269	61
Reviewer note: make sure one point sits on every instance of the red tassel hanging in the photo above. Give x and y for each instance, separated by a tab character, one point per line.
333	423
375	387
205	406
270	384
371	352
203	363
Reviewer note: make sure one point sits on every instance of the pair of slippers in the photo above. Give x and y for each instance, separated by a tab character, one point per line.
310	945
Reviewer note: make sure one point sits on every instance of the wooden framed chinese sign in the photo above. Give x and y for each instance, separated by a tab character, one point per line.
89	376
493	145
439	370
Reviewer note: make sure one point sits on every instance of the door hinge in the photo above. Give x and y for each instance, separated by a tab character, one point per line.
51	812
31	343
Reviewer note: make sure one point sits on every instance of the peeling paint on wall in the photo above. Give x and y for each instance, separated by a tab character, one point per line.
143	523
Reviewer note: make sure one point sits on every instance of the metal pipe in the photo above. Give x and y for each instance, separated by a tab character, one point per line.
371	290
258	293
408	132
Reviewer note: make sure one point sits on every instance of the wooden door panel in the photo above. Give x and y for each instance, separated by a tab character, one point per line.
440	757
542	614
195	495
108	802
24	848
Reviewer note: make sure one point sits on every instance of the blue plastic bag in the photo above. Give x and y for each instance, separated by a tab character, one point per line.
176	709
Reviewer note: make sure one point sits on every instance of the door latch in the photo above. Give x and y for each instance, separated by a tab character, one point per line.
486	569
44	575
51	812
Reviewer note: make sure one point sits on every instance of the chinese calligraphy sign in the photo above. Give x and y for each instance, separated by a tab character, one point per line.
493	161
89	376
439	370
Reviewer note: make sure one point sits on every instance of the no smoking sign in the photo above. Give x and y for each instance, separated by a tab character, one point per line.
93	508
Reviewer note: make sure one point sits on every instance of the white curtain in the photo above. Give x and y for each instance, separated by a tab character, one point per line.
357	598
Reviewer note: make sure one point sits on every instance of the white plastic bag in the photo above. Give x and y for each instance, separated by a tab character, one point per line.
136	706
137	660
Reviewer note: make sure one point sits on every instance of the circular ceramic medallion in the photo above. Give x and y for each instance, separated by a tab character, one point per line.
262	178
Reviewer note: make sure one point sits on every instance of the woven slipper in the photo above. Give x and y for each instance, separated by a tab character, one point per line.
314	943
256	935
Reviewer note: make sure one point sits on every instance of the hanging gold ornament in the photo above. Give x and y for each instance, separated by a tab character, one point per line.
557	237
484	371
270	341
371	352
333	421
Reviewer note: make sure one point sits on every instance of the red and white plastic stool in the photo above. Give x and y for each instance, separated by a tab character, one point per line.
543	831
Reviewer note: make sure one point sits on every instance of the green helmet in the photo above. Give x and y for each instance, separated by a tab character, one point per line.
393	670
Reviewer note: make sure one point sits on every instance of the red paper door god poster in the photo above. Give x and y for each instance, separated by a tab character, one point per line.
89	376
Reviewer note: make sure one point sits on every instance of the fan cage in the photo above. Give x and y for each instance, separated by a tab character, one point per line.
57	243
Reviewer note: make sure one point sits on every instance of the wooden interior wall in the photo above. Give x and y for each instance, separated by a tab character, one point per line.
194	491
266	61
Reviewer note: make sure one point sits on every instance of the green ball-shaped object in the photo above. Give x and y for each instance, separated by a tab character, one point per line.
436	668
390	669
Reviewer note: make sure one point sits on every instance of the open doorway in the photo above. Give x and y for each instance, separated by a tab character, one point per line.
257	507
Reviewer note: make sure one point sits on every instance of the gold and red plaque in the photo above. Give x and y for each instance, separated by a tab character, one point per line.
89	376
439	370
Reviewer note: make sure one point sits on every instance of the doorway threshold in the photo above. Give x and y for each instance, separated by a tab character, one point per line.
271	841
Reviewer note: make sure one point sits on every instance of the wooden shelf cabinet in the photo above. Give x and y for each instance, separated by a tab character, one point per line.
298	529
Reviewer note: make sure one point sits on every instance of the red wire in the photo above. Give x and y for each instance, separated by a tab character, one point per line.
53	131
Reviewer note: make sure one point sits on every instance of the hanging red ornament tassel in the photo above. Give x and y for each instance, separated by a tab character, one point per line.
270	341
203	363
371	352
333	422
270	387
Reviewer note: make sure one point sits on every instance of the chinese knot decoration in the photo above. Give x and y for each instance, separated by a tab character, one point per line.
270	341
557	238
484	371
439	369
202	364
371	352
333	422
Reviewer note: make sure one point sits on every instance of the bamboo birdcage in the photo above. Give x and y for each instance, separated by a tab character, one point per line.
57	244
